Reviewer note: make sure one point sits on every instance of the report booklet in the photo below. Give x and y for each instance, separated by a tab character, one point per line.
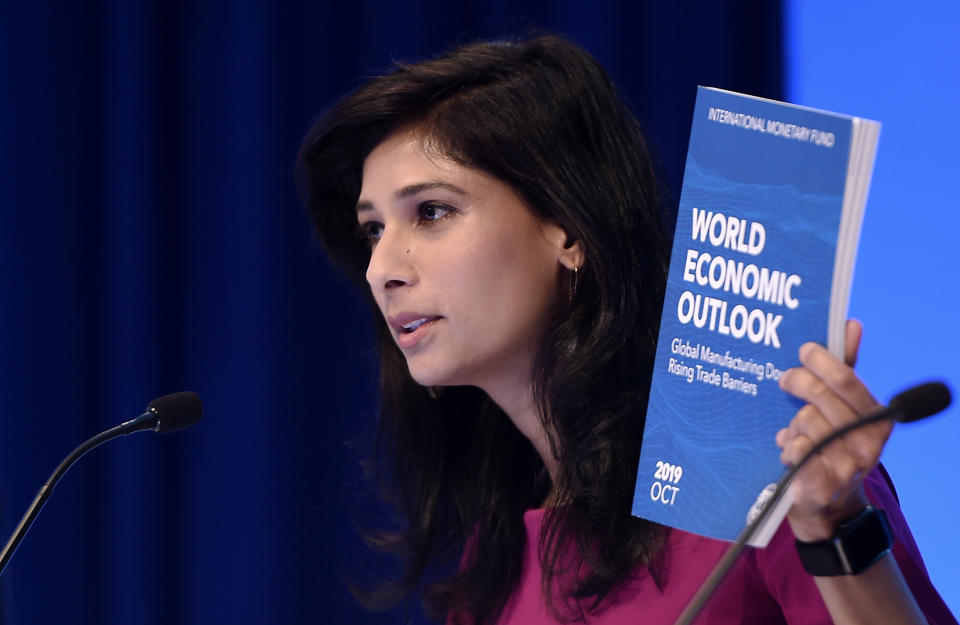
763	254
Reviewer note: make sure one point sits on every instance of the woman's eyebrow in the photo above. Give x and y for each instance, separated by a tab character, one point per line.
413	189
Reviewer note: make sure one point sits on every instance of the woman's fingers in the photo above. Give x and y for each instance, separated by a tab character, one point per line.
807	427
803	383
829	487
834	400
837	461
854	332
838	378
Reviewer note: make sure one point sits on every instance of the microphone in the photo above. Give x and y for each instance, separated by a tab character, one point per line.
919	402
165	414
913	404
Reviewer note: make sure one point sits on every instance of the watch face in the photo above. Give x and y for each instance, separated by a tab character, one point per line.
865	539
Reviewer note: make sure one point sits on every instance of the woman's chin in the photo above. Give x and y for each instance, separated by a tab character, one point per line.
425	376
430	380
433	375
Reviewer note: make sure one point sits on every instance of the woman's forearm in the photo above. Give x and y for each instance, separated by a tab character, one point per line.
877	595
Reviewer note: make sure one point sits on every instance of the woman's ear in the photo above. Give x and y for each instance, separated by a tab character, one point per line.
572	256
569	250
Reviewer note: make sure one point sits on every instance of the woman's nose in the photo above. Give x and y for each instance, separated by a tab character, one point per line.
390	262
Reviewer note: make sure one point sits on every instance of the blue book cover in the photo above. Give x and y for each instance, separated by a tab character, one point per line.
771	192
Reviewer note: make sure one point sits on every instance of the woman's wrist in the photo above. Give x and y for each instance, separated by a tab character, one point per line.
855	546
824	523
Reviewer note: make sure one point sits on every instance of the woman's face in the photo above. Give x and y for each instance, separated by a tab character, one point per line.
463	272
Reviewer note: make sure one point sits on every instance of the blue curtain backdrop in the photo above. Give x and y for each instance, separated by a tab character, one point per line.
151	241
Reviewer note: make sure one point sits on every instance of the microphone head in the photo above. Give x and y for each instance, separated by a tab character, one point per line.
921	401
176	411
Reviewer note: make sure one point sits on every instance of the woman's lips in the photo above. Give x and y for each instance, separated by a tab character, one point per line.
414	332
411	328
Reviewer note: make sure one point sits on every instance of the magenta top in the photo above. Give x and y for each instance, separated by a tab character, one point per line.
765	587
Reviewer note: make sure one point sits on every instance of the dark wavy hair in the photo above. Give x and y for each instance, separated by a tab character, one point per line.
542	116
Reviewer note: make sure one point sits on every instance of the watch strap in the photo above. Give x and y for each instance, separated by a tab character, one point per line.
857	544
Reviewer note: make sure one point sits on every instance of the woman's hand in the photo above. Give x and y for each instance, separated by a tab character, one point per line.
828	490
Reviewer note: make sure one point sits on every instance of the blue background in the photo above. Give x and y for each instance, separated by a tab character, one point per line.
899	66
151	240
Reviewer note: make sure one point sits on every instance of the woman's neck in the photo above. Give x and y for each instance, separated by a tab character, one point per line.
517	401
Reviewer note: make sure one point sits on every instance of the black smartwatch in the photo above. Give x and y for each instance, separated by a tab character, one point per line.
858	543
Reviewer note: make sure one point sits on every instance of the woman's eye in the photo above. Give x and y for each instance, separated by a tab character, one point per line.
434	212
372	230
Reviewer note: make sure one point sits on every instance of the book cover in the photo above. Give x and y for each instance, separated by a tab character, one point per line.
766	234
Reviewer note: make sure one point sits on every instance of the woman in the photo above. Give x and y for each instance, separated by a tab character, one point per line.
499	205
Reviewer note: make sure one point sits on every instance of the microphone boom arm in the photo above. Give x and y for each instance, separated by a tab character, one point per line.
165	414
